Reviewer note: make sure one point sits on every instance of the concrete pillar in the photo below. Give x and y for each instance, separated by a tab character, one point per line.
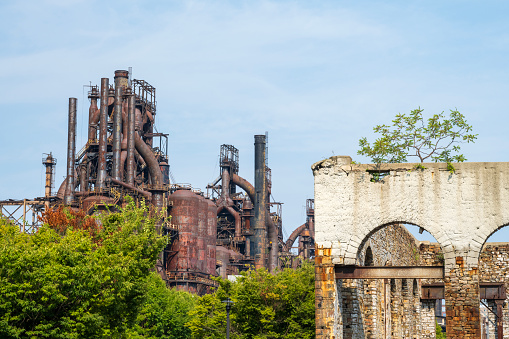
461	284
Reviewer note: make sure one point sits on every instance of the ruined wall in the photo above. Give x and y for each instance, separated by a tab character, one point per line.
494	267
459	209
378	308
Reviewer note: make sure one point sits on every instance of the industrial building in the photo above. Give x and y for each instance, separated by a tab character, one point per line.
231	227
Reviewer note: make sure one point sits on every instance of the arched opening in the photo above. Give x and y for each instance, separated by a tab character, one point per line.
493	270
398	302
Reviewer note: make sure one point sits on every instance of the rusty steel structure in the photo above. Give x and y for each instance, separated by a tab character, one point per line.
305	233
119	157
236	227
249	224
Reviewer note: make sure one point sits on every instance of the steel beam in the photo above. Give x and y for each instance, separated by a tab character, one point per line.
487	290
388	272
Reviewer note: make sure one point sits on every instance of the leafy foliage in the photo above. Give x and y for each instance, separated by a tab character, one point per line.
164	313
266	306
65	285
410	136
63	218
438	331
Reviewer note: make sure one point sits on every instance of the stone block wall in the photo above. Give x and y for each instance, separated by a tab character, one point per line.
377	308
494	267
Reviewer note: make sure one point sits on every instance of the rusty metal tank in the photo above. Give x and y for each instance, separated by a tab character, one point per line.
184	213
211	237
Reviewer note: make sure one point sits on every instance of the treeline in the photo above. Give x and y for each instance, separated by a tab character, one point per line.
92	277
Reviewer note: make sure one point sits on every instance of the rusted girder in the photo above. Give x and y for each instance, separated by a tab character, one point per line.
387	272
487	290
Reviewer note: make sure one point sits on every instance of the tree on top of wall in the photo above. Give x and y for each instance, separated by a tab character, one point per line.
436	139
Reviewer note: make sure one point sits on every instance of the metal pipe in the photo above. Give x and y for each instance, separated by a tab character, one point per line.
117	126
146	194
103	130
260	203
245	185
92	112
130	140
83	176
274	239
71	151
293	236
153	166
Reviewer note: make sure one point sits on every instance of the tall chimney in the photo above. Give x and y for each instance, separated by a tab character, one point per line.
260	204
103	137
71	152
49	163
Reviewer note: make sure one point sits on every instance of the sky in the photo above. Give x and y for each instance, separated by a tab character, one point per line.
316	75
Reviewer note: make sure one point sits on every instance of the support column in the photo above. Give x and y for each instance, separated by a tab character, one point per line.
396	298
428	322
327	311
461	284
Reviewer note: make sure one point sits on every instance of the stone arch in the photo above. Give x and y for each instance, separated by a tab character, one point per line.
365	242
495	230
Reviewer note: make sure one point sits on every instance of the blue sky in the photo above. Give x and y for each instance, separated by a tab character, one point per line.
317	75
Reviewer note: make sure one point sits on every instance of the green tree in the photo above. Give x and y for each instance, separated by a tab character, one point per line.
266	305
436	139
439	333
164	313
70	284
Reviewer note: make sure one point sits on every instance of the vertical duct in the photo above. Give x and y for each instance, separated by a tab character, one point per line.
130	139
71	152
260	204
117	126
103	130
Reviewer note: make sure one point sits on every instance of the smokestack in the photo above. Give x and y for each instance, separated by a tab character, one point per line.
117	127
92	127
103	137
49	163
130	139
121	78
260	204
71	152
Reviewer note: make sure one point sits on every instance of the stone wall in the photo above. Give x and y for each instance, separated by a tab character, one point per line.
494	267
461	210
378	308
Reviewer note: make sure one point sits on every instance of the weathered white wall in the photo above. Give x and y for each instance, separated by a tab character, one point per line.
461	210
